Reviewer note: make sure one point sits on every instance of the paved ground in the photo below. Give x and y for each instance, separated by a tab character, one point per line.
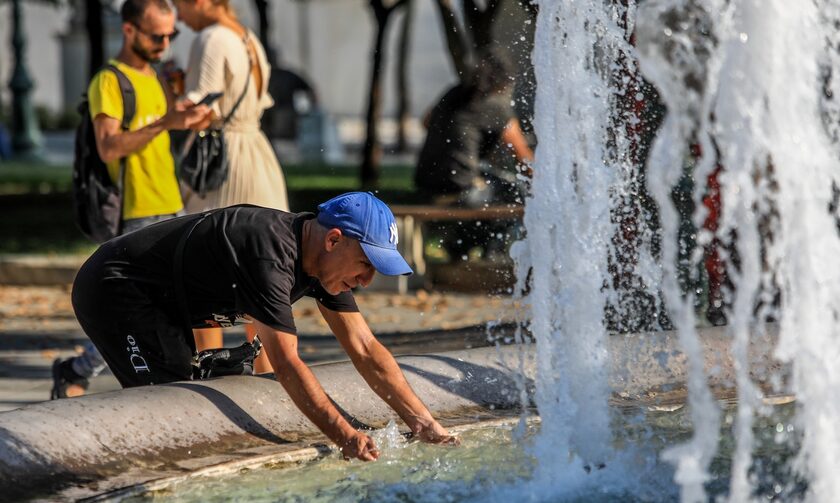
37	325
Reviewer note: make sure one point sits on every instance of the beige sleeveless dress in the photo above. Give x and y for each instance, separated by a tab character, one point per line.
219	63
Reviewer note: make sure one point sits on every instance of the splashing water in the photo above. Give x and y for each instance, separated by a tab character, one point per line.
582	63
683	67
569	223
748	86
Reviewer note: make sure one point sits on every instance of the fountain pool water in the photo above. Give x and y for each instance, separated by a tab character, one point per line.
494	464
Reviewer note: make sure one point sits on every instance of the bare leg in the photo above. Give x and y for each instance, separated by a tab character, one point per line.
261	364
207	338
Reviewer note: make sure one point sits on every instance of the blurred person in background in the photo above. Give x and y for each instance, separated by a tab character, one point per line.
470	120
221	58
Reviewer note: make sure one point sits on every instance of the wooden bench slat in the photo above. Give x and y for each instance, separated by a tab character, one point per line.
446	213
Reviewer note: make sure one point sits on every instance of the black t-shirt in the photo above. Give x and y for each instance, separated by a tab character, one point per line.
463	126
238	260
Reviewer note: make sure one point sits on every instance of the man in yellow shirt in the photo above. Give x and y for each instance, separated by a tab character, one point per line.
149	186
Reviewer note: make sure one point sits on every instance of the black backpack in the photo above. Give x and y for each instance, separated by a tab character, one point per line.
97	200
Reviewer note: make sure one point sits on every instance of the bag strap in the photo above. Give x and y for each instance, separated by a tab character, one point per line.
178	278
247	83
129	98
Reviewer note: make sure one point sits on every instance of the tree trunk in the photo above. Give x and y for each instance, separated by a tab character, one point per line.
403	88
479	22
96	35
476	34
372	152
456	42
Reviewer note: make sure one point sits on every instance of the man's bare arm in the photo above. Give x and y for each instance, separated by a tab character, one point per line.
305	390
113	143
514	138
380	370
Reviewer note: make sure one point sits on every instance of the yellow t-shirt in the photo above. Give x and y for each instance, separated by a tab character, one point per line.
151	186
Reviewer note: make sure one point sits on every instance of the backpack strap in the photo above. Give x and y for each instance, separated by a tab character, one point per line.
129	98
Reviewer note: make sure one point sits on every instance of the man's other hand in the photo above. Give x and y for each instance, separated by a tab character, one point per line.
188	118
204	123
434	433
360	446
182	105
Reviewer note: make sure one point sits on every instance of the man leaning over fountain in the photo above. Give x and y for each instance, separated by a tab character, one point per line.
139	295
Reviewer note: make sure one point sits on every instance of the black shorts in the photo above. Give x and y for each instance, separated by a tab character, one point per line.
139	340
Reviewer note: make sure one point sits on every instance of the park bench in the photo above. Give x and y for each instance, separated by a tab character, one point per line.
412	217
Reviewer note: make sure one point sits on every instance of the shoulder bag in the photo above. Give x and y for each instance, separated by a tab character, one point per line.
204	163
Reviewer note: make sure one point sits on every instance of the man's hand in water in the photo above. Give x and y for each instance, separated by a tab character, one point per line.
359	446
433	433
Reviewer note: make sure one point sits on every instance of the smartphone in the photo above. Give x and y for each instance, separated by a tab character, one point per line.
209	99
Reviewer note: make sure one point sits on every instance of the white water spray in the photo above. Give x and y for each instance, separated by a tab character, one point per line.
569	225
677	53
742	80
807	249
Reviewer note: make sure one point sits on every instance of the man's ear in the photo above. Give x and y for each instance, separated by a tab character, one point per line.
332	238
128	30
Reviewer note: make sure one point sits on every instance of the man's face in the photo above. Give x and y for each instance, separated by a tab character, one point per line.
150	38
345	265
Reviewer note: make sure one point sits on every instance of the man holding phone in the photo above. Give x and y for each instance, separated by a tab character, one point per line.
138	157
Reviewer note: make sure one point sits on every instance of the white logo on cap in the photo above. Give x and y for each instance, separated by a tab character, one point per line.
394	239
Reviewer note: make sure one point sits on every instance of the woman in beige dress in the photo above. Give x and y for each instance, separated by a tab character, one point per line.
219	61
221	57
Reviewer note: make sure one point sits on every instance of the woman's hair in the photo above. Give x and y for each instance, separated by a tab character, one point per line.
225	4
132	11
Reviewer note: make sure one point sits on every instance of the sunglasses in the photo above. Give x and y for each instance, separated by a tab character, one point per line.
158	39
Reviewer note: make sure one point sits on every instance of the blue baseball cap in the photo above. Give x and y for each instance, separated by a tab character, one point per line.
361	216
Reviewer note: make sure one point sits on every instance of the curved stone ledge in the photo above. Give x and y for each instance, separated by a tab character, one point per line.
97	443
